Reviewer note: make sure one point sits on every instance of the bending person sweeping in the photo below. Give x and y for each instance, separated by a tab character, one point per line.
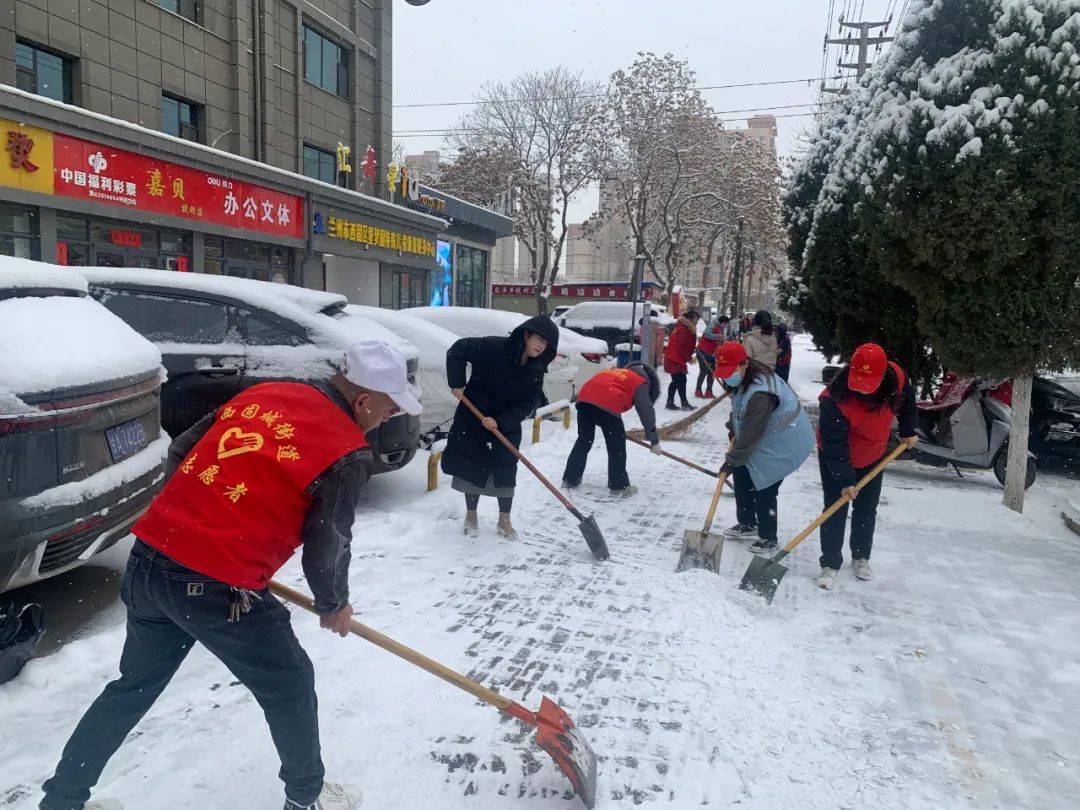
602	402
772	438
857	412
708	343
280	465
505	384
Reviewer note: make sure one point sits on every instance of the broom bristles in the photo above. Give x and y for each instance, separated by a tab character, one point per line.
676	429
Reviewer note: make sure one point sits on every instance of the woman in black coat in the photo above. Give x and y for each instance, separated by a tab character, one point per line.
505	385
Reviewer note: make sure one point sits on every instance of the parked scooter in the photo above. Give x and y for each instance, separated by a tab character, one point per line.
966	425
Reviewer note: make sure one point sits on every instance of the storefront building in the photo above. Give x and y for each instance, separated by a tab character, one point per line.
463	251
77	188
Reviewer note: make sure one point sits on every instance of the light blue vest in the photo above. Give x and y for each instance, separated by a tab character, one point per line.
788	439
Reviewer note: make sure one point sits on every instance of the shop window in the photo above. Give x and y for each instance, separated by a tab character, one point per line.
402	289
247	251
321	165
43	72
181	119
188	9
72	229
19	232
166	319
259	331
470	290
326	64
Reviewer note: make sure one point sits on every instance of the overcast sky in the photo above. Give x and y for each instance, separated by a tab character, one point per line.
445	50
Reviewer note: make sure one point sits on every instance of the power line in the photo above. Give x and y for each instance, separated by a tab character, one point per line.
433	133
601	95
717	112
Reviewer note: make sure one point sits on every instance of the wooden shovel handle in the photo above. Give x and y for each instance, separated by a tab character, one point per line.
489	696
716	496
674	457
828	513
509	445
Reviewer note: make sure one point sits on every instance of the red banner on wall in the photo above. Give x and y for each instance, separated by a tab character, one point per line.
611	292
103	174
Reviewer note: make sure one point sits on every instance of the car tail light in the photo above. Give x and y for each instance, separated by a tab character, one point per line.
592	358
17	424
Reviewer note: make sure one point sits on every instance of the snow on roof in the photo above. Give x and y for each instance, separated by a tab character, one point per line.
478	322
27	274
264	294
608	315
60	342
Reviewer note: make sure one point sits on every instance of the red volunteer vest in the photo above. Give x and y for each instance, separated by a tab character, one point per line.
707	346
869	432
234	509
612	389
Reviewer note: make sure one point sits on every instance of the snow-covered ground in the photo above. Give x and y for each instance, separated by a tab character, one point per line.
950	681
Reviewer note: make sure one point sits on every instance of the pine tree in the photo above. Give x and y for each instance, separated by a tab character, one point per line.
969	170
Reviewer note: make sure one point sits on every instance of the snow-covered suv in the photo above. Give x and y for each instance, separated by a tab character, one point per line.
81	447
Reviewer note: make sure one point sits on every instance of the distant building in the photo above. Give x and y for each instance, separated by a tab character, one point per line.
425	166
763	128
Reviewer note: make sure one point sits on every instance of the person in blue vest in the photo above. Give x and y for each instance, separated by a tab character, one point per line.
771	438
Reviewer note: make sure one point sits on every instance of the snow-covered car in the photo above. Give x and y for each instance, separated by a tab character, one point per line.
219	335
579	357
81	447
609	321
432	342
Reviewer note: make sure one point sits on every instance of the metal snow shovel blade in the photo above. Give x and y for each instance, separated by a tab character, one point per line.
555	731
763	575
593	537
701	549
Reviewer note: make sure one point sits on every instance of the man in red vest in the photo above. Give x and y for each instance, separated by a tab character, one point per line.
601	403
278	466
856	415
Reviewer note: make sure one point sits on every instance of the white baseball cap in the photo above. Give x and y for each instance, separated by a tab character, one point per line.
378	366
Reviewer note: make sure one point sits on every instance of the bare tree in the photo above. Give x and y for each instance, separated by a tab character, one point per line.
531	134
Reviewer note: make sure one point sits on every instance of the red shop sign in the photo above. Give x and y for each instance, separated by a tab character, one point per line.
125	238
102	174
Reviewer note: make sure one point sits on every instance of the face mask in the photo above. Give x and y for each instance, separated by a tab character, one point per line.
734	380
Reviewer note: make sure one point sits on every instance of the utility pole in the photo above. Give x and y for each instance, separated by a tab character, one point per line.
863	41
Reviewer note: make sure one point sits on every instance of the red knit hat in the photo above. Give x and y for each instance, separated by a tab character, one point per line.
868	365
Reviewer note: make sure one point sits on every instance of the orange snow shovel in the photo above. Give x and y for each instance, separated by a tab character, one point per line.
593	538
699	548
763	575
555	731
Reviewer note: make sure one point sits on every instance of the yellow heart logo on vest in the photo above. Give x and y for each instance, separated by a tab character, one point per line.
248	443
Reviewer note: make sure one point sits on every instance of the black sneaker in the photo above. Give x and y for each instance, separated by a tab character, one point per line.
688	407
671	406
741	531
764	547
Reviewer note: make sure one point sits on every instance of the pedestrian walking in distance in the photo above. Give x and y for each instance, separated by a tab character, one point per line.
278	466
760	341
506	385
856	416
771	437
680	348
602	402
710	340
783	349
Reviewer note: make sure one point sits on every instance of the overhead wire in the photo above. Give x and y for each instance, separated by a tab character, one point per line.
475	103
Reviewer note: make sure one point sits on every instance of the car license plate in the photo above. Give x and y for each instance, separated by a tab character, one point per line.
125	439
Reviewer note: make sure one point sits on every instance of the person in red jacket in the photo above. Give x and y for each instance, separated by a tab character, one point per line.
857	410
680	348
278	466
601	403
707	345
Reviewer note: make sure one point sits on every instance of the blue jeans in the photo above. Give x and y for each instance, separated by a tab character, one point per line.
170	607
